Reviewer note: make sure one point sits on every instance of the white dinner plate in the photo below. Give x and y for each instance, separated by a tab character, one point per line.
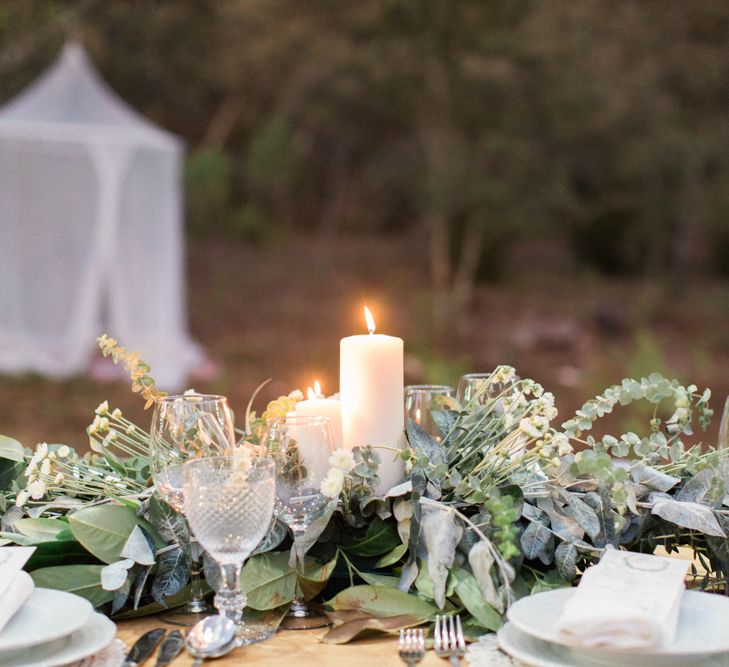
703	628
46	615
538	653
95	635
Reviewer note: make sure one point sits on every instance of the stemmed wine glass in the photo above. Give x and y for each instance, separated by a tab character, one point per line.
301	448
229	505
421	400
185	427
477	386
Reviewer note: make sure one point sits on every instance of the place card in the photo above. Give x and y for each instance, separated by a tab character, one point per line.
12	560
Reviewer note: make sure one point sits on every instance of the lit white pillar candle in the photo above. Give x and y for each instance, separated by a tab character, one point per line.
371	392
318	406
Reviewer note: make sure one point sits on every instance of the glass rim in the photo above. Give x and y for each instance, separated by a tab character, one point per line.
265	461
171	398
477	376
300	420
429	387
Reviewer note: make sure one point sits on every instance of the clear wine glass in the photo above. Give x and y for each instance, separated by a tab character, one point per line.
421	400
477	386
185	427
723	442
301	448
229	505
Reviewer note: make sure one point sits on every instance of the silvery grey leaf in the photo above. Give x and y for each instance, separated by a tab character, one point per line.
137	548
565	555
408	576
421	441
173	569
652	478
536	540
481	560
441	534
565	526
689	515
583	514
121	595
400	490
170	524
114	575
535	514
8	519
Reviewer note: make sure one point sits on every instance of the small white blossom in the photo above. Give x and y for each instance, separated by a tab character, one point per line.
130	429
37	489
563	444
41	451
45	467
117	414
534	427
64	451
503	375
296	395
342	459
103	408
332	484
21	499
59	479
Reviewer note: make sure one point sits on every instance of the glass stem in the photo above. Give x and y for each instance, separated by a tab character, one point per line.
196	605
299	608
230	600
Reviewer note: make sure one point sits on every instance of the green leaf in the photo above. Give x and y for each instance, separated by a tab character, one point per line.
268	581
393	557
83	580
41	529
583	514
381	538
59	552
469	594
374	579
103	530
20	539
173	571
315	577
424	443
9	472
381	602
535	540
11	449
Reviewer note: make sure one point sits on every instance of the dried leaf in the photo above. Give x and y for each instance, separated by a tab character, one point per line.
481	560
441	534
688	515
344	632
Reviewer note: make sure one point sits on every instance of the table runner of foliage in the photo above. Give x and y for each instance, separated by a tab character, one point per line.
504	505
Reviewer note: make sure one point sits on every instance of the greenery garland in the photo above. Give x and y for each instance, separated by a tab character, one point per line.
503	506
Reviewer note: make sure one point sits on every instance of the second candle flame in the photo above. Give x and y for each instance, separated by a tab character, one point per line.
315	392
370	320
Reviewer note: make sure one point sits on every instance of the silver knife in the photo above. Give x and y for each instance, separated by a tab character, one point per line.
170	649
144	647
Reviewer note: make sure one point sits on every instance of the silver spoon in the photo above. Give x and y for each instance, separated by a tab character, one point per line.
212	637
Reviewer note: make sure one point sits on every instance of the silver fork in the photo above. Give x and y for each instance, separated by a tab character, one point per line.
412	646
449	641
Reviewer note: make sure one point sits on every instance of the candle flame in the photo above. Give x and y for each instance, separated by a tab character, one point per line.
417	415
315	392
370	320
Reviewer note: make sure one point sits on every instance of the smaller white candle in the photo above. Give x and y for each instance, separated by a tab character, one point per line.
318	406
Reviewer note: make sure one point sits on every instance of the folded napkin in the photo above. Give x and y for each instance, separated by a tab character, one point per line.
15	585
627	601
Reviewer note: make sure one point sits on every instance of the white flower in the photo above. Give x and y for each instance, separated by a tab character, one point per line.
296	395
534	427
41	451
342	459
37	489
117	414
332	484
45	467
21	499
60	477
111	436
242	458
503	375
130	429
103	408
103	425
64	451
563	444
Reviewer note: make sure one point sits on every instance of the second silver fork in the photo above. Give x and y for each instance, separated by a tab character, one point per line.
412	646
448	639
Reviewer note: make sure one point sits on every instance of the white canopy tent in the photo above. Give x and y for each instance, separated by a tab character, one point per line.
91	236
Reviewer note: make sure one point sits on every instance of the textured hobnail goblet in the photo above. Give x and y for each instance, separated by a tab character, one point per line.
229	506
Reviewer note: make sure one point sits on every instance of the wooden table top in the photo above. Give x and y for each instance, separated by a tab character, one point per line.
290	648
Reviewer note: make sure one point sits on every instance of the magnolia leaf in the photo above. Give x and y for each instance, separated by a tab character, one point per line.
469	593
103	530
703	487
392	557
426	587
381	538
9	472
41	529
481	560
170	523
173	571
688	515
115	575
83	580
275	535
268	581
121	595
652	478
583	514
344	632
441	534
424	443
137	548
139	585
375	579
315	577
400	490
11	449
565	555
381	602
536	540
408	576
